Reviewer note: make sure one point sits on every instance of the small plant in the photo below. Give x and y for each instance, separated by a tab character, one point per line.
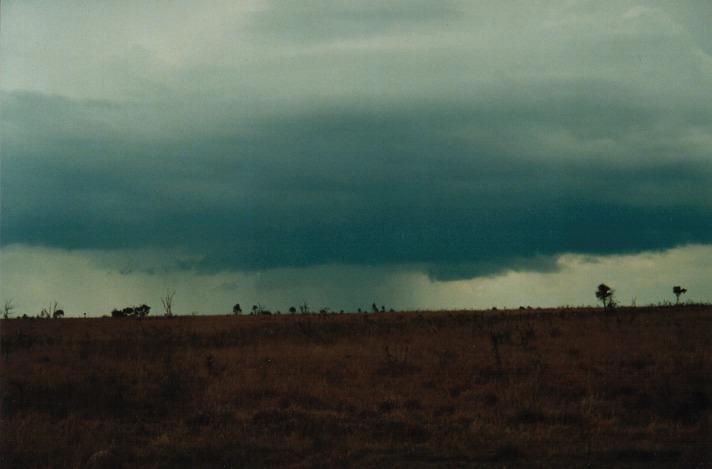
497	338
526	334
396	364
678	291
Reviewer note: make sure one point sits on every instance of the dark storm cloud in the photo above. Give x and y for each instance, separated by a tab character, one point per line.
461	189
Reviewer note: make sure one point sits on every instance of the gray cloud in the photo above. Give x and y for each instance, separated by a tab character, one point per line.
343	187
466	140
308	22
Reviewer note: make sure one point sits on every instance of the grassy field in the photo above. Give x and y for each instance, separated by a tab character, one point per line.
552	388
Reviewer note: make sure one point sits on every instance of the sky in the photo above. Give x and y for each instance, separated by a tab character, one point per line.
339	153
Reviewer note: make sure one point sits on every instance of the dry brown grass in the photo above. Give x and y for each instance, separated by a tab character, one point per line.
452	389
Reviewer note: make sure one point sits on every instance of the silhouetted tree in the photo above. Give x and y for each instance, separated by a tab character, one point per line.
168	303
131	312
58	313
260	309
292	310
678	291
374	308
7	309
605	295
51	311
237	309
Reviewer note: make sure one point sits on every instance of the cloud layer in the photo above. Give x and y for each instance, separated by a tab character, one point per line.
465	138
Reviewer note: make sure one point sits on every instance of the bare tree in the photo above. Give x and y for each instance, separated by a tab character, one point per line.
7	309
168	303
678	291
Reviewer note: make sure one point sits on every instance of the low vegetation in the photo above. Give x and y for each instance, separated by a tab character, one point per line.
566	387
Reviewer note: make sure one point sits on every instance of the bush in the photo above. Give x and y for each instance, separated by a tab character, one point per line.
131	312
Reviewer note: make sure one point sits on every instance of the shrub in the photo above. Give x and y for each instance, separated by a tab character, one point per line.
131	312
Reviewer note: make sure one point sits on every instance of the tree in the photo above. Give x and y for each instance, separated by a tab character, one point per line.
7	309
168	303
605	295
131	312
52	312
141	311
260	309
678	291
236	309
292	310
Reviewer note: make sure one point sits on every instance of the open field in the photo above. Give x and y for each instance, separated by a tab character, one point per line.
565	387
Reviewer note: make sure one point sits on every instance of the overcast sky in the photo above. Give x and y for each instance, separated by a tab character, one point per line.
416	154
